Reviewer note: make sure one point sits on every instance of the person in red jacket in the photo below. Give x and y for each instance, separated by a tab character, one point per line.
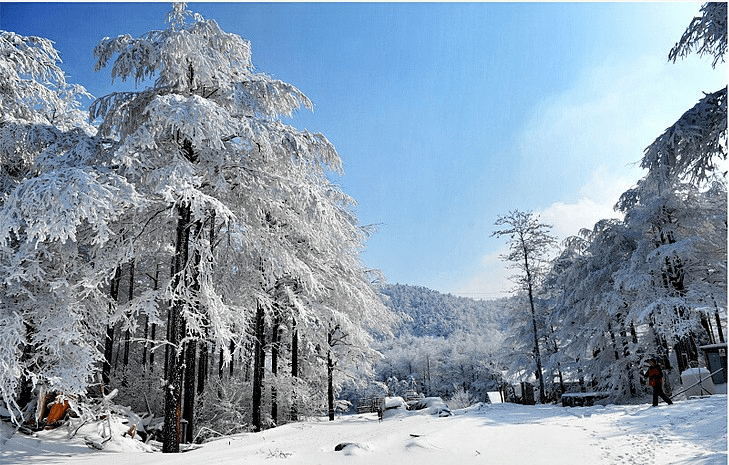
655	380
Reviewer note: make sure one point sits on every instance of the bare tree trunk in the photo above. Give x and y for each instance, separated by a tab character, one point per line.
109	341
232	359
176	331
330	375
330	384
259	360
274	369
202	375
706	324
130	296
190	383
127	333
537	355
145	346
188	410
202	371
155	286
294	370
718	325
151	351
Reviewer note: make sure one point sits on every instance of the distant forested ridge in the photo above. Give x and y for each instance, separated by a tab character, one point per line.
431	313
445	345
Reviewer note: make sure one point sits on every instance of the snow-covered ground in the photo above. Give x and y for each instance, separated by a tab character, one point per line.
688	432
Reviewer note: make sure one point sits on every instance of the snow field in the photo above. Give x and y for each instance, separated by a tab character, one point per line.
689	432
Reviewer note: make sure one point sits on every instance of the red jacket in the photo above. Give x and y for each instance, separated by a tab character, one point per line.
655	375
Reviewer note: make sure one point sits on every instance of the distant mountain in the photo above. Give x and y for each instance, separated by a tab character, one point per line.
432	313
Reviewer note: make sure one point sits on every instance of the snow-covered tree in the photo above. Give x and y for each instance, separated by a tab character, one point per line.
205	142
59	202
440	341
650	282
529	244
706	34
683	169
692	148
679	267
587	311
641	286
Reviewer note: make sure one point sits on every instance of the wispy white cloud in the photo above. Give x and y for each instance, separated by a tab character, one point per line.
587	141
604	121
491	281
596	202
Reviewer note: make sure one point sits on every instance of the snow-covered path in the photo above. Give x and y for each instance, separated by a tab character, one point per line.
689	432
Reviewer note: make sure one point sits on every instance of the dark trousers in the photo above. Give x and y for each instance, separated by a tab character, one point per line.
658	391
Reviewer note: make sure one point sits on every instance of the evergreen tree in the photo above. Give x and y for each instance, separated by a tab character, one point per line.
59	201
205	141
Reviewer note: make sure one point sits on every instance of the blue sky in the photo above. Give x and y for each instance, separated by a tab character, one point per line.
447	115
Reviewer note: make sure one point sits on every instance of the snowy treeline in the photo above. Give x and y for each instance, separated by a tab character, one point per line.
432	313
444	344
653	283
187	247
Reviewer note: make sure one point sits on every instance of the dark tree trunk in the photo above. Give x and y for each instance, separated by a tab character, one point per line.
188	410
232	359
190	383
294	369
176	332
706	324
718	326
151	351
330	384
203	362
169	317
274	370
202	373
26	385
259	360
167	338
203	356
615	344
330	375
145	347
537	355
155	286
109	341
127	333
108	354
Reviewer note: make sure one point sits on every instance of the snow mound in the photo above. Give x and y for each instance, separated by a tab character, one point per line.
352	448
109	434
395	403
433	406
475	408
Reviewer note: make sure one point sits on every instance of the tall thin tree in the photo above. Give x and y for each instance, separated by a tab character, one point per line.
529	244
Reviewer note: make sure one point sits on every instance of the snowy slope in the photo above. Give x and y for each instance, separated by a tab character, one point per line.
689	432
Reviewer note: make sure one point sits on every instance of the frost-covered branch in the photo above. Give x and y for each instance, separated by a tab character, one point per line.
706	34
